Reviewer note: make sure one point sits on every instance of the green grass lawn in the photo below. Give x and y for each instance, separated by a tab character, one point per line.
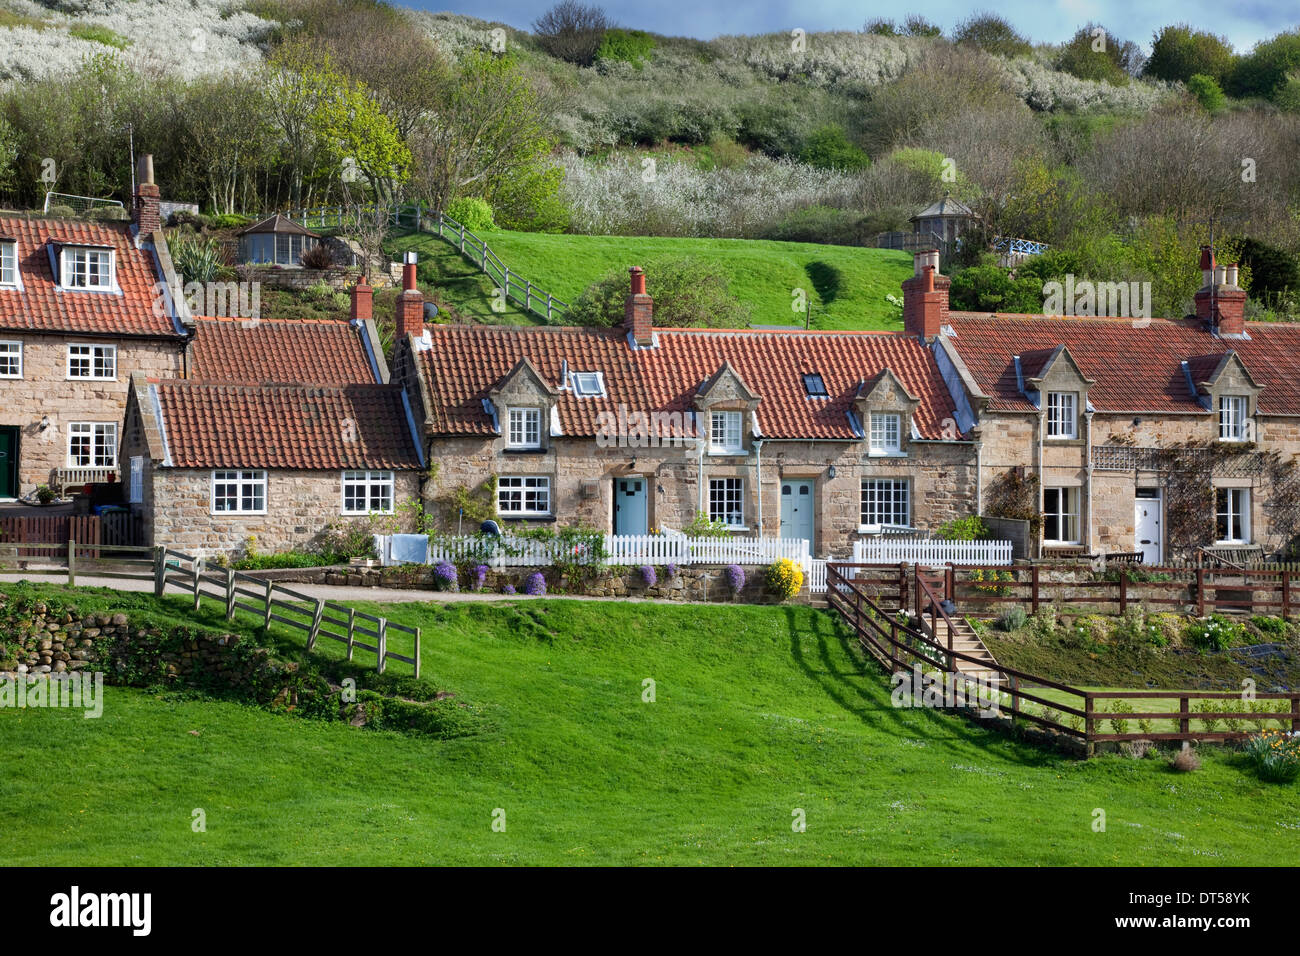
845	285
759	711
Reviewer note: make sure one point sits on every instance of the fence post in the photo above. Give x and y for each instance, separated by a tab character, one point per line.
159	571
269	588
1286	595
196	570
382	628
72	563
1123	590
1200	592
1033	581
1295	713
352	629
417	653
317	613
1087	722
230	594
1184	715
950	584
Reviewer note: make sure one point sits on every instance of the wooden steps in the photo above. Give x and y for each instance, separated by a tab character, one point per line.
964	641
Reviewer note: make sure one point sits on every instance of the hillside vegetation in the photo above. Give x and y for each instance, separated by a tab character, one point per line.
758	713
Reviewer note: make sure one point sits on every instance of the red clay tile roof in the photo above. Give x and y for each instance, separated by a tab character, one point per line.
42	306
1137	365
279	351
268	426
466	362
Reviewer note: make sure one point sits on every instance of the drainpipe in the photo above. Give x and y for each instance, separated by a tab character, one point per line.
979	478
699	474
1087	471
758	481
1038	425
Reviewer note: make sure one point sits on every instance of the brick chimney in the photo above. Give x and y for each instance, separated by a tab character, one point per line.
410	304
638	311
925	296
1220	303
144	204
363	301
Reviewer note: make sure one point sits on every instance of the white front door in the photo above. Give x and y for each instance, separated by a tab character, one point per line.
797	510
630	512
1147	521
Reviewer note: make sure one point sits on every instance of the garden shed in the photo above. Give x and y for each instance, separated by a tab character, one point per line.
276	240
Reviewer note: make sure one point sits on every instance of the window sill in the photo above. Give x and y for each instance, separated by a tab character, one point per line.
887	454
1062	440
728	453
513	517
237	514
524	451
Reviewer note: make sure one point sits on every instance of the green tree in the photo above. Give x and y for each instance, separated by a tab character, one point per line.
1264	71
1094	53
688	292
989	288
1179	53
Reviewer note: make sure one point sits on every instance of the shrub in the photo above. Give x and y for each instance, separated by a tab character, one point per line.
970	528
1208	707
688	292
1179	53
992	34
536	584
1272	626
318	257
479	576
1215	633
702	526
829	148
784	579
473	213
445	577
735	577
197	260
572	31
1119	725
229	220
1207	92
648	576
1275	755
507	589
670	570
628	46
1111	63
1013	618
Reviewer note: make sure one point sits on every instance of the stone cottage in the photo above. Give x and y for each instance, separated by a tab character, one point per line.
827	436
80	311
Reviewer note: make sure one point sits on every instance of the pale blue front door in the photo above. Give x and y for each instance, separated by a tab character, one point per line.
797	510
630	515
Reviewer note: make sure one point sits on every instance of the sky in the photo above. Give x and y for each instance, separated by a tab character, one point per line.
1243	22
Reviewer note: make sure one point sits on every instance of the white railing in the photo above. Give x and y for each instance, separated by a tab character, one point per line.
930	551
815	576
620	549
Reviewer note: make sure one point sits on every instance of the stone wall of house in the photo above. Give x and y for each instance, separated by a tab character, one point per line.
46	391
1009	440
299	506
582	474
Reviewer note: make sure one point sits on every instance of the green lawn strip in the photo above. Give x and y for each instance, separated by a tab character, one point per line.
845	285
759	711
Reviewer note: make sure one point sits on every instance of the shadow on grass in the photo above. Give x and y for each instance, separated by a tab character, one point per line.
864	692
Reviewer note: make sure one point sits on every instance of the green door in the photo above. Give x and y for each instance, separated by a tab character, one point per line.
8	461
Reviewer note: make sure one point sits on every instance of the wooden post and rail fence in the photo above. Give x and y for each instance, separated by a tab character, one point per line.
233	590
1075	713
532	297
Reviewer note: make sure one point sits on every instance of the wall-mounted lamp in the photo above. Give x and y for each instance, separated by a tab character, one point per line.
1137	422
45	422
830	472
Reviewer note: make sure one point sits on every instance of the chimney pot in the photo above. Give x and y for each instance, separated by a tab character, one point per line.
363	301
925	296
145	212
410	303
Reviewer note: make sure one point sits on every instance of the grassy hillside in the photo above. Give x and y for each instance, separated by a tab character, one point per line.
845	285
759	711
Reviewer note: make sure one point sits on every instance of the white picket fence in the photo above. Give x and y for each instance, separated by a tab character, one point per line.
815	575
621	549
930	551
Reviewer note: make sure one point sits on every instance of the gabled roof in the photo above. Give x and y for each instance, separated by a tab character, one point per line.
40	305
946	207
1136	364
464	363
277	224
280	351
284	426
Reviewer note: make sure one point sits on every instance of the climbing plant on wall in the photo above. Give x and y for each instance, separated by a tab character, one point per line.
1014	494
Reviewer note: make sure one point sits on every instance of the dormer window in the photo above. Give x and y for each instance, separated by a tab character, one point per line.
724	433
1062	415
86	267
524	428
814	386
886	429
588	384
1232	417
8	262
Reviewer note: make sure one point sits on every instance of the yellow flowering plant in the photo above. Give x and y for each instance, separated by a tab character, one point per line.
784	578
